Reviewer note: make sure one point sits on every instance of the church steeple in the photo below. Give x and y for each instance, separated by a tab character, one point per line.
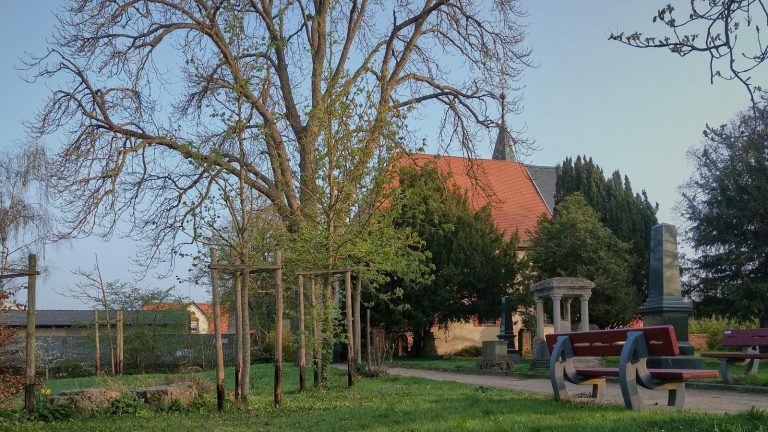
505	144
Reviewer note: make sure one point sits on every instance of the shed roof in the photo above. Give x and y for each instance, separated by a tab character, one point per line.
71	318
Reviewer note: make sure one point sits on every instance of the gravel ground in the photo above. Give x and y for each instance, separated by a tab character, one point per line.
713	401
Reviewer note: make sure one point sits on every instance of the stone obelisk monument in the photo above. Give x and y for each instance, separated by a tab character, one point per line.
665	304
506	329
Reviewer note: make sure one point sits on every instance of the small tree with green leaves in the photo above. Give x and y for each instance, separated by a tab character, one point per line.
575	243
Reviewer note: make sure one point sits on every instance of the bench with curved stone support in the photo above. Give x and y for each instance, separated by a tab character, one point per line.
634	346
750	341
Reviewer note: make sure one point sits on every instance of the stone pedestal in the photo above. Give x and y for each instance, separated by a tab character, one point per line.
540	354
665	305
495	356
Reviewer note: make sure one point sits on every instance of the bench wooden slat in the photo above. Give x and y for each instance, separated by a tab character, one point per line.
660	340
597	372
746	337
665	374
735	355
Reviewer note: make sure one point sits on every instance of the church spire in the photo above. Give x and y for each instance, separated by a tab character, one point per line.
505	144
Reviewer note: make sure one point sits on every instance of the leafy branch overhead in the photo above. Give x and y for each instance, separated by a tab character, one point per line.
728	31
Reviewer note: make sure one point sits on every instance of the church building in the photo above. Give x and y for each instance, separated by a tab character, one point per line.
518	194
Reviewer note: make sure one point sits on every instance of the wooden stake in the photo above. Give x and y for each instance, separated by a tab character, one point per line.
238	337
350	331
315	334
120	329
217	332
29	381
368	336
245	371
279	330
98	348
357	323
302	341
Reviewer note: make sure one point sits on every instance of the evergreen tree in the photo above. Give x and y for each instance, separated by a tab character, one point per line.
473	264
575	243
725	202
628	215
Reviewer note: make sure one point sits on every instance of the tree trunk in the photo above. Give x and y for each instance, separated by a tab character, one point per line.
358	331
238	337
245	372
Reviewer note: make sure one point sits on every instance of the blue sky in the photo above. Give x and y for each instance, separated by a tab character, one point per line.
638	111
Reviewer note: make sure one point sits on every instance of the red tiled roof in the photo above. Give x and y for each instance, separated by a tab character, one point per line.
206	308
515	202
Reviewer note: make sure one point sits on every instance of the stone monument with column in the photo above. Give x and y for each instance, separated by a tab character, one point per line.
506	329
665	304
561	290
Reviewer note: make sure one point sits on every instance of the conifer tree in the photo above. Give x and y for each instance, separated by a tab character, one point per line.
628	215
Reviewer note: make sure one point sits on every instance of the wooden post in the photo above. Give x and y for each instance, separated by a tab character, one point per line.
217	332
29	381
350	331
98	348
120	330
238	336
357	323
279	329
368	336
245	371
302	341
315	333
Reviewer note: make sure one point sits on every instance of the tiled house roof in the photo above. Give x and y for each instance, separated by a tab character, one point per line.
207	309
516	202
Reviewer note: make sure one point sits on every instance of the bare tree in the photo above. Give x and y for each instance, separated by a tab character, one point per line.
728	31
24	219
93	289
137	132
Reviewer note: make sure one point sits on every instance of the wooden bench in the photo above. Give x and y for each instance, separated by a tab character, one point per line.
750	342
633	346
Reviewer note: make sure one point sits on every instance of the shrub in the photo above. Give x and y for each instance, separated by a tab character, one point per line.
469	351
113	384
289	345
380	361
203	385
127	403
68	368
47	412
714	327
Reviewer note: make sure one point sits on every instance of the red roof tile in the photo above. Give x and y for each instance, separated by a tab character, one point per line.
515	202
206	308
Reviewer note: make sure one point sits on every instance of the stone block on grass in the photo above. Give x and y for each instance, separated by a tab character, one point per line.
165	395
86	400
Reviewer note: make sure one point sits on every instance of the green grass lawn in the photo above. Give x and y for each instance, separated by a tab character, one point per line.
393	404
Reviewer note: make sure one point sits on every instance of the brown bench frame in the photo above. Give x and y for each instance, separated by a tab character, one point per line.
634	346
750	341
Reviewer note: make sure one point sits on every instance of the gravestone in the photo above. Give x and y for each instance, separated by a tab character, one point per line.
665	304
524	343
540	354
506	329
495	356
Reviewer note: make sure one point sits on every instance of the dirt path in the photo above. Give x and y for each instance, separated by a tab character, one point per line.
714	401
